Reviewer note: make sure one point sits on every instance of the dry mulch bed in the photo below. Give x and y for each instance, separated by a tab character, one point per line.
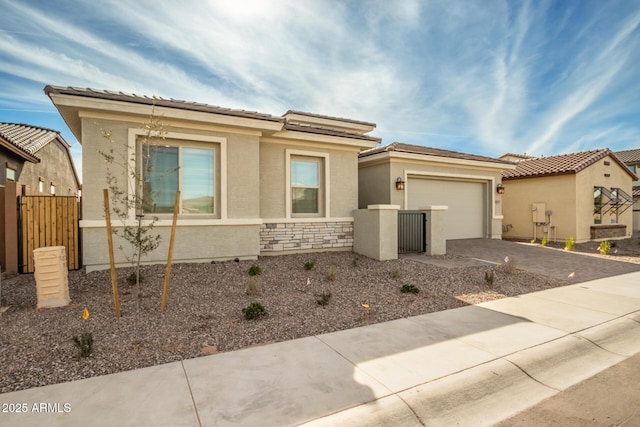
204	313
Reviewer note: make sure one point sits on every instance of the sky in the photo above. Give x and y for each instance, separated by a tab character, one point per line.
484	77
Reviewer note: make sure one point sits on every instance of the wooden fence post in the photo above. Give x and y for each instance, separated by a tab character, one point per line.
112	263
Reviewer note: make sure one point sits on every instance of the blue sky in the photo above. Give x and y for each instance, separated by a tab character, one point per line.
484	77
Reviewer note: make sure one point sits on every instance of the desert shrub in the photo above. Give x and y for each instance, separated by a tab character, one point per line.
395	273
309	265
254	270
253	286
255	310
544	241
131	279
605	247
569	243
84	343
331	274
409	289
323	298
488	277
510	266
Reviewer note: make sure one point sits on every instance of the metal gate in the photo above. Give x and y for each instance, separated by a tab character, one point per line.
47	221
412	232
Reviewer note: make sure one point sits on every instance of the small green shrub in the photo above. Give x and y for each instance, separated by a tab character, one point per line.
331	274
544	241
395	273
254	270
355	261
84	343
605	247
255	310
409	289
488	277
309	265
253	286
569	243
323	298
131	279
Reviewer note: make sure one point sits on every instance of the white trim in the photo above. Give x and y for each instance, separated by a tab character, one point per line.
422	158
168	222
131	155
326	191
460	177
319	220
383	207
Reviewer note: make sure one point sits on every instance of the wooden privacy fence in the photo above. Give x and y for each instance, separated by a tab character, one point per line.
48	221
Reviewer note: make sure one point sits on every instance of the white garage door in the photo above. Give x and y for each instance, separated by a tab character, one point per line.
466	201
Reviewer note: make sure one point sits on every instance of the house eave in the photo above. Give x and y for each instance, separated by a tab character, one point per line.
18	152
289	136
71	106
426	158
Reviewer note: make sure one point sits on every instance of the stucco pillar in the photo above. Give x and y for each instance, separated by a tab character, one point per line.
436	229
375	231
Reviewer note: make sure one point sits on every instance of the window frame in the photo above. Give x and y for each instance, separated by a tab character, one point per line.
322	158
218	144
15	174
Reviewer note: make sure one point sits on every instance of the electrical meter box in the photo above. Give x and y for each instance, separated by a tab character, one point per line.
539	210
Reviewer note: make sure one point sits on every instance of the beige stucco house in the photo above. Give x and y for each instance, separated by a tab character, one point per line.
252	184
582	195
631	158
416	177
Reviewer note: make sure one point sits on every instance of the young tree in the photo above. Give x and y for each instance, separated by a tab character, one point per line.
135	195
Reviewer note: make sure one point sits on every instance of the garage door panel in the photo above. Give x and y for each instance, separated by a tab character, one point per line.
465	217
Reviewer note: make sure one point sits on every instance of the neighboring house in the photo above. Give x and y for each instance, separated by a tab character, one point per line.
584	195
38	159
415	177
33	161
631	158
252	184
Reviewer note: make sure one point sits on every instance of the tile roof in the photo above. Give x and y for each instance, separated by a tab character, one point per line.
328	131
559	165
320	116
421	149
27	138
629	156
519	156
162	102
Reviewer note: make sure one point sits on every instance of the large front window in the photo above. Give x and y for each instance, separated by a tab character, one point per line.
305	186
188	169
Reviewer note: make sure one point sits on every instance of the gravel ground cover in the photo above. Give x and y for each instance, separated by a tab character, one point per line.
627	250
204	312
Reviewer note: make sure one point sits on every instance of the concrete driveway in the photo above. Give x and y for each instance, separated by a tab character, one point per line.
537	259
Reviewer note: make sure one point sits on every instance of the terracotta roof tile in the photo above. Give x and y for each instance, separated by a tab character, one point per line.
162	102
27	138
629	156
558	165
421	149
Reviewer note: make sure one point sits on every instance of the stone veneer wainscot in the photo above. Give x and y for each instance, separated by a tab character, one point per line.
292	236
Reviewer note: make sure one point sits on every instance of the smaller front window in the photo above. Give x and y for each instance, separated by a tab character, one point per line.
41	186
305	186
11	174
53	189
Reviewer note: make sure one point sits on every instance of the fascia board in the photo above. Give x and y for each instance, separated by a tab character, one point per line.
122	107
288	136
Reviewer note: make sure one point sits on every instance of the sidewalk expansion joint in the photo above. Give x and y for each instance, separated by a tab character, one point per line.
193	400
533	378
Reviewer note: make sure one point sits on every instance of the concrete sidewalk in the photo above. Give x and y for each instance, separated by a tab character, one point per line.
475	365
